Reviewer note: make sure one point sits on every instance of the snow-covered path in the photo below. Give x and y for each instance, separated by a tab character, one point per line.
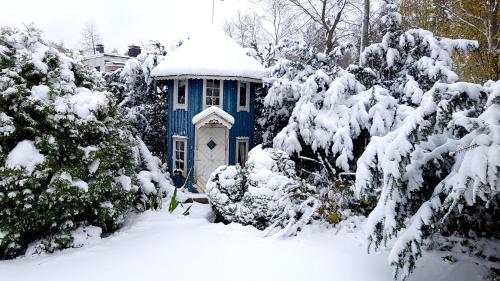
160	246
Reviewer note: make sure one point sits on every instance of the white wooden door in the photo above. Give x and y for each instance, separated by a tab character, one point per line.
211	153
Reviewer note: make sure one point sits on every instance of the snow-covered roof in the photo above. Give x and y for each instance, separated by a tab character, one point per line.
207	115
209	53
98	55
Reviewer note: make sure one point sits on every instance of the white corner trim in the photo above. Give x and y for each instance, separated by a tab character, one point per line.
176	93
204	101
247	96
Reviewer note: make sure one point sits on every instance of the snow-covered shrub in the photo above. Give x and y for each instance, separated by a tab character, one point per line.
77	238
446	154
266	193
224	189
66	158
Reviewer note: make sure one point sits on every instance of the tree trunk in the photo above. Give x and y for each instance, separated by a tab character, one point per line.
364	29
492	39
93	44
329	40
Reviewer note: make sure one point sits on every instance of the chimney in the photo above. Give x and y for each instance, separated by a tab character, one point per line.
99	48
134	51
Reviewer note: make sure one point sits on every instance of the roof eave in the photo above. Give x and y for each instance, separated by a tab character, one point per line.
218	77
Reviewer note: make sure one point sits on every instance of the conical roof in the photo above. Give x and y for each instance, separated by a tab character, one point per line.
209	53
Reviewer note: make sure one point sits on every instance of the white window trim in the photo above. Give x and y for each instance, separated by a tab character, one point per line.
174	140
221	91
238	141
247	107
176	93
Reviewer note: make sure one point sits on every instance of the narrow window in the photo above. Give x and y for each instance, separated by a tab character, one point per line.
213	93
180	94
241	151
243	96
179	145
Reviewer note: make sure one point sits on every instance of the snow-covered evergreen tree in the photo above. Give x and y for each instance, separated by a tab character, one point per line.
333	109
408	63
404	98
140	100
115	84
294	62
441	154
66	158
446	154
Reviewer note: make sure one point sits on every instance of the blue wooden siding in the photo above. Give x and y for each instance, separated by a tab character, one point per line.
243	120
179	121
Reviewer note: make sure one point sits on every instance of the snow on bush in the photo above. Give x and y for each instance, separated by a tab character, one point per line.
66	158
266	193
82	236
24	156
446	154
292	63
83	104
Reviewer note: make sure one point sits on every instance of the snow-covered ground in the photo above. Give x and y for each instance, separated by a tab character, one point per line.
162	246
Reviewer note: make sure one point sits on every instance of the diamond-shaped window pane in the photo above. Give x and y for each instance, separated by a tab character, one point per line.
211	144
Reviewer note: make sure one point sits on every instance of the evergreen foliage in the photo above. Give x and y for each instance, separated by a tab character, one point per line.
445	155
141	100
66	159
432	141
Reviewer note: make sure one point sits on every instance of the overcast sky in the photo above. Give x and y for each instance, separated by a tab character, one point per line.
120	22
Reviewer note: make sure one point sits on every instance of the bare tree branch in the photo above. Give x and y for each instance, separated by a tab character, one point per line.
90	37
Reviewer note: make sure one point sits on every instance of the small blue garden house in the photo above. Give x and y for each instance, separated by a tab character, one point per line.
211	84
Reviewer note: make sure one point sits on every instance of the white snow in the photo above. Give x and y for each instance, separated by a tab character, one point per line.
78	183
82	104
6	124
209	52
82	236
125	182
213	110
154	175
25	155
94	166
86	235
40	92
162	246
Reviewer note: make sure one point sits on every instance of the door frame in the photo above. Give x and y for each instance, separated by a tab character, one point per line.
196	154
213	119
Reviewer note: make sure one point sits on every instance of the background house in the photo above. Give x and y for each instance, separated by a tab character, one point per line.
107	62
211	84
